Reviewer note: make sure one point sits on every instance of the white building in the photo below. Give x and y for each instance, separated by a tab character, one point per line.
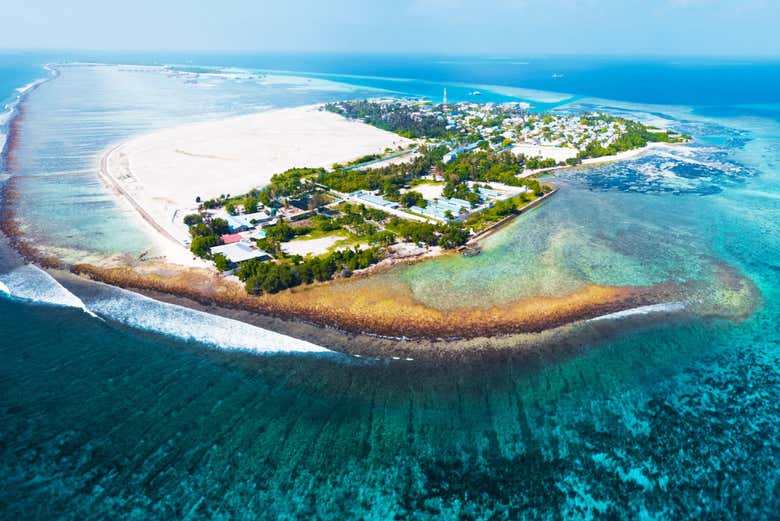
238	252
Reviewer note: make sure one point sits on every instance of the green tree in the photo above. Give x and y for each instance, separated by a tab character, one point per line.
221	262
201	244
411	198
219	226
194	218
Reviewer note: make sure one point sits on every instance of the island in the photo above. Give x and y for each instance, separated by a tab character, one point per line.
298	214
469	169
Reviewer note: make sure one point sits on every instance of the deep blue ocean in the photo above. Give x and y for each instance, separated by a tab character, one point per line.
158	413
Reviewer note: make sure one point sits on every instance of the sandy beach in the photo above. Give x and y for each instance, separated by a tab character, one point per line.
162	173
591	161
545	152
628	154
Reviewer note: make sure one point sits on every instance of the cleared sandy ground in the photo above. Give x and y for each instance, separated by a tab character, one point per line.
430	191
163	172
310	246
545	152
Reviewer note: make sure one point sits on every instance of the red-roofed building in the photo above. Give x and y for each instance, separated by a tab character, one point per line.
230	238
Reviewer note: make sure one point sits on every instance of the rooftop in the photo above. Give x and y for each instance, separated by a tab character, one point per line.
239	251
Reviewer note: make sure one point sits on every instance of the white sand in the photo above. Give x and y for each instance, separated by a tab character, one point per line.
429	191
161	173
545	152
310	246
622	156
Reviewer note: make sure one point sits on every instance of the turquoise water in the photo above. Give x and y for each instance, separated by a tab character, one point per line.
143	416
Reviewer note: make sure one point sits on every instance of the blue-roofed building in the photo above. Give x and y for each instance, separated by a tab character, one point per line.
489	193
449	156
368	197
439	208
235	223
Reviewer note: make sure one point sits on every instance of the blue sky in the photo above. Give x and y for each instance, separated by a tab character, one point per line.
498	27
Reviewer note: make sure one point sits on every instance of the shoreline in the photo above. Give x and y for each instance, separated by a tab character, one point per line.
16	116
550	341
615	158
497	226
234	146
213	292
514	330
405	319
171	248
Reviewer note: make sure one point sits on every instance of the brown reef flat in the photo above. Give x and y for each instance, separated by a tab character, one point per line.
350	306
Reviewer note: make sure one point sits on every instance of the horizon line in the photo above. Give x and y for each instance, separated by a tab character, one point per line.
421	54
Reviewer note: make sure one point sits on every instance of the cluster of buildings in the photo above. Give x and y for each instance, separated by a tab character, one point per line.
569	131
506	126
245	229
512	126
438	207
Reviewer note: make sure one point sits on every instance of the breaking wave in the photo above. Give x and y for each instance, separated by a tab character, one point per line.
147	314
32	284
666	307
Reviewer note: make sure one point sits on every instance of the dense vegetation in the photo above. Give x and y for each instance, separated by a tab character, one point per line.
398	118
271	277
411	198
388	180
288	184
487	166
448	235
636	135
481	220
205	233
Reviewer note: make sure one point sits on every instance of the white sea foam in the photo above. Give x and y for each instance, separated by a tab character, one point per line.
32	284
4	118
148	314
10	107
31	85
666	307
692	156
